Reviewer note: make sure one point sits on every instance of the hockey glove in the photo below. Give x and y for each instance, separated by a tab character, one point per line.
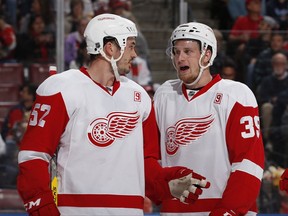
222	212
42	205
283	184
184	184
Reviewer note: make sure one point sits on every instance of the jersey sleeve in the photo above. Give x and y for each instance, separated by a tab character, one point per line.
246	155
155	186
151	136
47	122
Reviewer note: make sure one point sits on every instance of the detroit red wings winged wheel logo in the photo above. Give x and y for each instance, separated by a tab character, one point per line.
185	131
102	132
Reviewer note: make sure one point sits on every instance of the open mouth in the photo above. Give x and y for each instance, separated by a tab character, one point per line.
183	68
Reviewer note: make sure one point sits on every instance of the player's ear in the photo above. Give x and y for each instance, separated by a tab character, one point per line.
109	49
207	57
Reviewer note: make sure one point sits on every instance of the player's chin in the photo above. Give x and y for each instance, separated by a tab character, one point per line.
184	76
124	71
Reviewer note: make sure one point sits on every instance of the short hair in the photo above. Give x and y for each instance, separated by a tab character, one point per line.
31	88
75	2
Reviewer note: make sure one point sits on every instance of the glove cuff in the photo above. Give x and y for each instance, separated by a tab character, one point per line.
39	201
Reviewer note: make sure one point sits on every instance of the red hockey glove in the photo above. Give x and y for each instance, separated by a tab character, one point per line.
185	184
283	184
42	205
222	212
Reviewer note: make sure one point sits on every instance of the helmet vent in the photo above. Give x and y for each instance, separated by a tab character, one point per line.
192	30
97	46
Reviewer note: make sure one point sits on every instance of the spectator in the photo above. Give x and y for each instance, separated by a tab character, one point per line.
278	9
8	164
263	65
123	8
272	91
7	41
37	45
13	129
100	7
228	69
41	8
236	9
140	72
88	7
149	89
278	134
10	12
244	28
74	17
257	45
221	53
23	8
15	122
82	58
219	11
73	42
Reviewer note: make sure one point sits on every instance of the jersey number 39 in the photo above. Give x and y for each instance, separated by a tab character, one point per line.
252	126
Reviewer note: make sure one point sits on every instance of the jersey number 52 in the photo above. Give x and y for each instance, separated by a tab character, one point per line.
35	114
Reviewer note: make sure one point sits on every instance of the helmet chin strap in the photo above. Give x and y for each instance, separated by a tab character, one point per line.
113	63
115	68
202	68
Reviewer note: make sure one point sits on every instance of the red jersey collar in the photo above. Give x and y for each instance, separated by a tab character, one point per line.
116	83
216	78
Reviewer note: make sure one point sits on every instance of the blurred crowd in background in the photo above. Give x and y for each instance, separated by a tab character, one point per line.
252	38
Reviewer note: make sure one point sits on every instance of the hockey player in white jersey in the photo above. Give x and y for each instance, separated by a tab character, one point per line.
210	125
105	129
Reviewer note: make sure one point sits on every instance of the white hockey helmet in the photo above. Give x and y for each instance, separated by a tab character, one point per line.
108	25
195	31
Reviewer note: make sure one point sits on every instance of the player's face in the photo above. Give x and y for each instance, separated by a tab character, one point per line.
186	58
124	64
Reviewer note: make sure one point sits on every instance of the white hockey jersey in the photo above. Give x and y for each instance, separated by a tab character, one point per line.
215	132
99	133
